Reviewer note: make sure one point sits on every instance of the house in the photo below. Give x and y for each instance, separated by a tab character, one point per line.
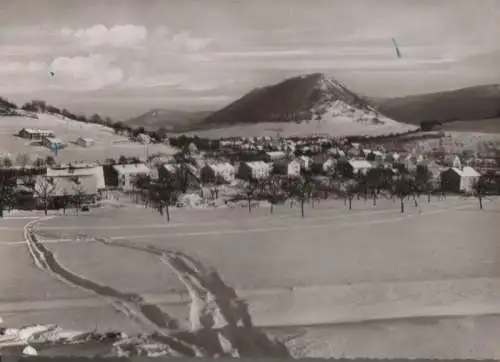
211	172
35	134
392	157
360	166
305	162
274	156
459	180
85	142
52	143
452	161
58	191
374	156
173	171
287	167
354	152
79	170
351	168
322	164
256	170
168	170
124	176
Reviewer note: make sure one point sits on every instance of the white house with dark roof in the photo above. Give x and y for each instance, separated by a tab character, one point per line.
210	172
35	133
85	142
127	174
287	167
359	166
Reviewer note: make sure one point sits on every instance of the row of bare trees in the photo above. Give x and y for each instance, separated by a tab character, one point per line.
305	189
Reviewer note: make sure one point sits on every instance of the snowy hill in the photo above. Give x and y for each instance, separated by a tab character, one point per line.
305	98
107	143
302	105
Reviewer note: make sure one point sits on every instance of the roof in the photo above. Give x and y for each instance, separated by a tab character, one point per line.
37	130
80	170
286	162
131	168
53	139
220	167
68	185
86	139
170	168
258	164
357	164
276	154
470	172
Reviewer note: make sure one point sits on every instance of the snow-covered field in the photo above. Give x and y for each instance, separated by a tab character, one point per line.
332	267
108	144
330	126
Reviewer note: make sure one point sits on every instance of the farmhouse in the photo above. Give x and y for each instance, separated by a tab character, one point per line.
85	142
210	172
52	142
457	180
256	170
79	170
124	176
35	134
60	190
287	167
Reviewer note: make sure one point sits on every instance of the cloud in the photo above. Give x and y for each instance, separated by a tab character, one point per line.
17	67
119	36
85	73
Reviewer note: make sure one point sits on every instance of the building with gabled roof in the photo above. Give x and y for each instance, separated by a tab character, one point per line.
459	180
287	167
212	171
124	176
79	170
255	170
35	133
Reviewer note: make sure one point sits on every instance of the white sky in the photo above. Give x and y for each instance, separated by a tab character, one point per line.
122	57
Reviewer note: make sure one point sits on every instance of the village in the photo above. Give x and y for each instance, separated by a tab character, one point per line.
258	170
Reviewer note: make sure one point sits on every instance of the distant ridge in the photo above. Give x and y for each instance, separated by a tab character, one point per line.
171	120
466	104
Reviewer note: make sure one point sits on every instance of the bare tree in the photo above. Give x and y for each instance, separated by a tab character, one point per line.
274	192
250	191
164	193
479	187
301	189
40	162
44	188
22	159
402	189
350	190
8	182
7	162
79	195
